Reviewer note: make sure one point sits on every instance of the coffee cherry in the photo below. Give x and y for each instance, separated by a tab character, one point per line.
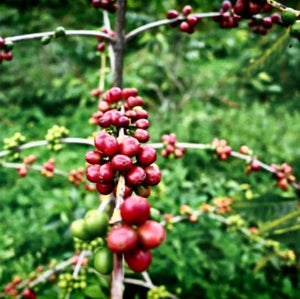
106	173
288	16
295	29
129	146
129	92
134	101
59	31
184	26
110	146
122	238
138	259
99	140
7	55
92	173
153	175
142	190
226	5
2	42
101	47
136	176
96	3
172	14
141	135
78	229
187	10
147	155
95	223
192	20
28	294
115	94
142	123
151	234
105	188
122	163
103	261
93	157
135	210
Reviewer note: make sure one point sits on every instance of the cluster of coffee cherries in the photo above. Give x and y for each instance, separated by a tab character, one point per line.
5	50
222	205
109	5
137	235
27	161
88	233
115	156
190	21
48	168
227	17
67	283
11	145
54	135
101	43
159	292
248	8
170	146
284	175
11	287
221	148
76	176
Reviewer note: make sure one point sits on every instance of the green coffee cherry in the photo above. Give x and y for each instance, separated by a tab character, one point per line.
46	40
295	29
288	16
9	45
59	31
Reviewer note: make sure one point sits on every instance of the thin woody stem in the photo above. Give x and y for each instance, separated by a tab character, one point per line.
31	36
164	22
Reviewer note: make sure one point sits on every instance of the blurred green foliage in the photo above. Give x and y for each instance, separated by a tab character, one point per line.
216	83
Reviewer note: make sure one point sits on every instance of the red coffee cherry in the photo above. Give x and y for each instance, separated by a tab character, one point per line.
92	173
134	101
93	157
135	210
122	238
138	259
129	92
129	146
110	146
153	175
136	176
141	135
28	294
115	94
106	173
151	234
147	155
105	188
101	47
172	14
99	140
121	163
187	9
142	123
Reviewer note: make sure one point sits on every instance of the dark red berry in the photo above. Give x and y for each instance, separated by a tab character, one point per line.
138	259
129	92
136	176
96	3
7	55
121	238
147	155
99	140
110	146
101	47
2	42
142	123
192	19
172	14
135	210
184	26
105	188
129	146
141	135
187	9
92	173
121	163
153	175
134	101
151	234
106	173
115	94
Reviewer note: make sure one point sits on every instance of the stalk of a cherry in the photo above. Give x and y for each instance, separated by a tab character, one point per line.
119	51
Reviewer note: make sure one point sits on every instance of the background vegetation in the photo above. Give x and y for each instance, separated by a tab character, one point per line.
228	84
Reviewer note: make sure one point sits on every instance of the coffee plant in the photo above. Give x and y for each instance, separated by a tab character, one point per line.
115	241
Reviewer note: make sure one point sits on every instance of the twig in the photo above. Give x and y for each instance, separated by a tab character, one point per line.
155	24
111	52
94	33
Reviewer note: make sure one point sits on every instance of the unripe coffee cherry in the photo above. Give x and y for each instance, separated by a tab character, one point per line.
96	223
78	229
138	259
135	210
122	238
103	261
151	234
